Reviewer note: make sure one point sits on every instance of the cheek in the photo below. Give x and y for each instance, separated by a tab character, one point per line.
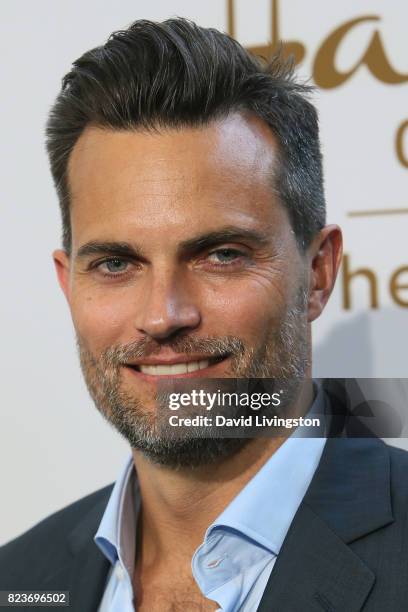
246	310
100	320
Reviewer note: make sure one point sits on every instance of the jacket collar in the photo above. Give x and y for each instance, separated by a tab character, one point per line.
348	498
88	574
351	488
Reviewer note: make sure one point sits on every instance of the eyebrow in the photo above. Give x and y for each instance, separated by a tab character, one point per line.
192	245
225	234
108	248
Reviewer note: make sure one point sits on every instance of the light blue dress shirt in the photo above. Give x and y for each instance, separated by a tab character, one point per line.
235	560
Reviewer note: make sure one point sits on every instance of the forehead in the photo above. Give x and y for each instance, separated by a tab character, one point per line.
175	178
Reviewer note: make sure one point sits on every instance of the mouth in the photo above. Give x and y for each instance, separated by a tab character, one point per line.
179	368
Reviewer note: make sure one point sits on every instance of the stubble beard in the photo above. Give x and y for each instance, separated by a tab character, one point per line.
283	355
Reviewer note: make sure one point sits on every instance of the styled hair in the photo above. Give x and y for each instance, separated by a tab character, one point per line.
177	74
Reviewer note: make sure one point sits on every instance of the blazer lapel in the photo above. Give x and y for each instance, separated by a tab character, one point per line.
88	579
349	496
316	571
86	573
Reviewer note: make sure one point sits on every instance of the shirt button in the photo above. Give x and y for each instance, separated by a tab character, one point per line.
119	572
214	563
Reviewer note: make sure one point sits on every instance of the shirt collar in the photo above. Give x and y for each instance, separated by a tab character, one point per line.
262	511
116	535
266	506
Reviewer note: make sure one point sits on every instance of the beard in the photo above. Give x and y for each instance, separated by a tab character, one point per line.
283	354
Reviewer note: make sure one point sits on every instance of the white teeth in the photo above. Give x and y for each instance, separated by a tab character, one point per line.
175	368
198	365
148	369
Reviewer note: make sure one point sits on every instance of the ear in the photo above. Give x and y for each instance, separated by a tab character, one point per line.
325	254
62	267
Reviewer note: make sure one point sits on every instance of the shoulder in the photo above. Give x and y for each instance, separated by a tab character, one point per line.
398	456
47	542
385	482
398	475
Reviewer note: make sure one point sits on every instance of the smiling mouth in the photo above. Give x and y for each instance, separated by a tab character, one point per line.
176	369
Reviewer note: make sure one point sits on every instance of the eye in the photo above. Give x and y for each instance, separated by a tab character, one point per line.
112	266
225	256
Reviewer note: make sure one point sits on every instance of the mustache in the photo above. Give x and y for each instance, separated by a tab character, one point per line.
215	347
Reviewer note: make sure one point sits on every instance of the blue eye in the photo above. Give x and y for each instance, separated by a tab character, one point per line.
226	256
114	265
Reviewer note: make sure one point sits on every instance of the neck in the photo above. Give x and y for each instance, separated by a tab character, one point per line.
178	505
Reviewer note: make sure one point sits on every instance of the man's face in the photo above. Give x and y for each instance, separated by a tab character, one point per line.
183	264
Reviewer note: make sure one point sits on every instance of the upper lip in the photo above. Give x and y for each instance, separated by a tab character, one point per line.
173	359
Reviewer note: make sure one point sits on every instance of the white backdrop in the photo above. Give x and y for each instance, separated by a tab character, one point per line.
54	446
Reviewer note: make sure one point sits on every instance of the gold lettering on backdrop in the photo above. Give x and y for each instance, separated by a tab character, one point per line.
347	277
399	143
295	48
397	284
396	287
325	73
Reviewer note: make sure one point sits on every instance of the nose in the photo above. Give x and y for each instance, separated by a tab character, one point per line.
167	307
